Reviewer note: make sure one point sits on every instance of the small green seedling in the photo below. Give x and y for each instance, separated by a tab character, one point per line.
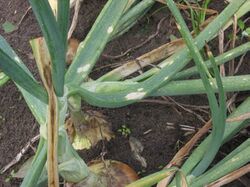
8	27
243	31
241	24
197	16
124	130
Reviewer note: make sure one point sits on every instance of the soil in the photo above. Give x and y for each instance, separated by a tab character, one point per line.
18	126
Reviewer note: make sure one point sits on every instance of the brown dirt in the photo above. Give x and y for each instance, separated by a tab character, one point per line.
17	125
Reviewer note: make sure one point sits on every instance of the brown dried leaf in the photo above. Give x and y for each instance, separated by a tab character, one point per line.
69	127
72	48
88	129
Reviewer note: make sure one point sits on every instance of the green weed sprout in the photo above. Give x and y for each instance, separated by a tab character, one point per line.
124	130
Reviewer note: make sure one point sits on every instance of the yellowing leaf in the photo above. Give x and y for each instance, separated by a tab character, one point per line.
81	142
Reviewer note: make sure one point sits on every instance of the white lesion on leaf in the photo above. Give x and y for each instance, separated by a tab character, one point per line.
135	95
178	26
17	59
83	69
110	29
169	62
140	89
166	78
228	55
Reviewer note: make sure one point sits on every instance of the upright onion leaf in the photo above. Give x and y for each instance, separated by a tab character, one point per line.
218	110
91	48
54	39
63	18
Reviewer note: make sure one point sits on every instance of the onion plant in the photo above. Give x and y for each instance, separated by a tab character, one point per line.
63	89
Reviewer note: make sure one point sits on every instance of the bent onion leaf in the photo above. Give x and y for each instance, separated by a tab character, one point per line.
12	66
